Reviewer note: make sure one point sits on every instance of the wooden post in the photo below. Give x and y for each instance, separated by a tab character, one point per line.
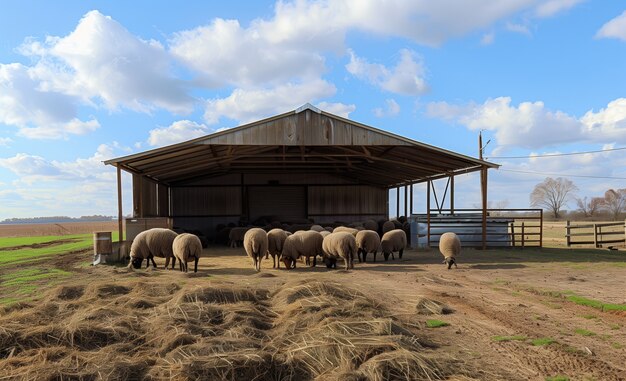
513	233
483	186
568	239
406	201
428	212
397	202
452	194
541	228
595	235
411	197
523	238
120	215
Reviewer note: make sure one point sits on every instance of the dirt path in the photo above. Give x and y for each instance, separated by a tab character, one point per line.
520	295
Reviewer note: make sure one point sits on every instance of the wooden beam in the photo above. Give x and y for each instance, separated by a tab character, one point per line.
428	185
452	194
411	190
406	203
120	214
397	202
483	188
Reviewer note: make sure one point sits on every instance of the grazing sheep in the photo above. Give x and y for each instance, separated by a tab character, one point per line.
306	244
346	229
370	225
317	228
340	244
187	247
388	226
275	241
450	247
255	243
367	241
237	235
394	240
152	243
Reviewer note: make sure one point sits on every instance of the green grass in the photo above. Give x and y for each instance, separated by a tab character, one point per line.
584	332
24	278
542	341
434	323
509	338
617	345
596	303
557	378
590	316
27	241
615	326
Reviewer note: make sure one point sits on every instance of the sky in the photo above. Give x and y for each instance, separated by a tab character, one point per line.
85	81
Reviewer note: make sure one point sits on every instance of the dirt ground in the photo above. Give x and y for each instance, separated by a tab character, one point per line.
501	301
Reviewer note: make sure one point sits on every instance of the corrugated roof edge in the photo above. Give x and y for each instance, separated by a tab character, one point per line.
306	106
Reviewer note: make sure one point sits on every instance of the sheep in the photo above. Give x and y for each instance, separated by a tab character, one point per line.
325	233
306	244
394	240
340	244
255	243
370	225
346	229
388	226
275	241
367	241
187	247
152	243
449	247
237	235
317	228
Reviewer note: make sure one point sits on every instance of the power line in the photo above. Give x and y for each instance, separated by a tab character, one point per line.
563	174
557	154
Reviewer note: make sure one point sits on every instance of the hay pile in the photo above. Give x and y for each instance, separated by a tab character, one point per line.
147	330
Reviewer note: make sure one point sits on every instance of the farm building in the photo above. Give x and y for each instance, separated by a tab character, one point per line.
300	165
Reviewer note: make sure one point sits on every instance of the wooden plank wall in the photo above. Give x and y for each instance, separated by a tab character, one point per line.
144	197
361	200
206	201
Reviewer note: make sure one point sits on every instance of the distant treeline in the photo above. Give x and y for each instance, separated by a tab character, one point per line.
56	220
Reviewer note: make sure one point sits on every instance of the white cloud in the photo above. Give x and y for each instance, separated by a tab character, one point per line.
102	59
518	28
176	132
608	124
615	28
38	113
5	142
338	109
529	125
488	38
552	7
406	78
249	105
532	125
226	53
392	108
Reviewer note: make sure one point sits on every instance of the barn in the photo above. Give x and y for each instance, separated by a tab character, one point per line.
303	165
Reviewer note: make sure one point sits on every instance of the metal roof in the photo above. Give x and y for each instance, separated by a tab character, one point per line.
303	140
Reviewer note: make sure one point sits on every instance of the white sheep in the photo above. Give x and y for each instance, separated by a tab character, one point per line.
236	235
186	248
275	241
302	244
394	240
450	247
156	242
340	244
388	226
346	229
367	241
255	243
325	233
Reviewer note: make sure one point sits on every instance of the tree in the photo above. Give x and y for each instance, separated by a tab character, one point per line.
615	201
591	207
552	194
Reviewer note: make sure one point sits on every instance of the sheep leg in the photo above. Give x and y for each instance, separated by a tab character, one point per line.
180	266
195	265
314	260
153	263
167	262
173	262
400	253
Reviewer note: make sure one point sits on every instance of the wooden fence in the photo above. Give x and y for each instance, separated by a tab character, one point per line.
597	234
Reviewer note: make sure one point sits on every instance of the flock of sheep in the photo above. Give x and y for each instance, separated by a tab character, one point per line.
330	244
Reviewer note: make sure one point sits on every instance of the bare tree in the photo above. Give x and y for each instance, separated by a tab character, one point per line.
615	201
552	194
591	207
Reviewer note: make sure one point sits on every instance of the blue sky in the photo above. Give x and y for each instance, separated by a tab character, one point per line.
92	80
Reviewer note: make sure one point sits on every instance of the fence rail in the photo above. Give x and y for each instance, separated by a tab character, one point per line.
597	236
522	227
